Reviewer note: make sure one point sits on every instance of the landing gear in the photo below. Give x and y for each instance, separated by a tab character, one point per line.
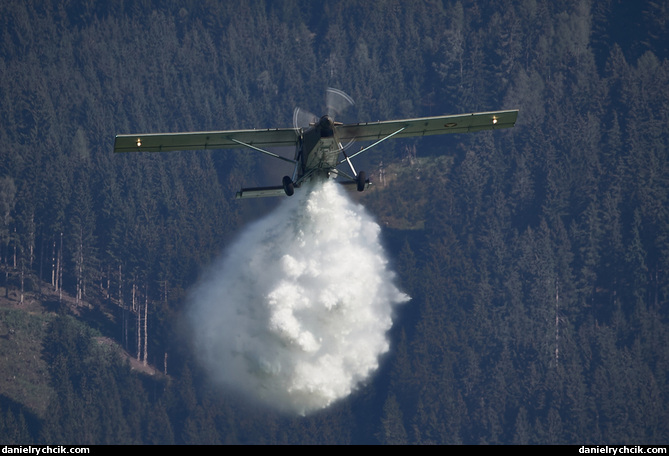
288	186
361	180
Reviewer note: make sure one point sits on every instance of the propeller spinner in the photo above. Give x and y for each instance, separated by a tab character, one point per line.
336	102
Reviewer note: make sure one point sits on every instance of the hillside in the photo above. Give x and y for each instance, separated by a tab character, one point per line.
24	377
24	373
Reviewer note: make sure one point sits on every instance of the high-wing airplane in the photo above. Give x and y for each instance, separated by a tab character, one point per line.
320	145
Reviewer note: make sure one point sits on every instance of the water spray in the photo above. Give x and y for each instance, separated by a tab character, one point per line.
296	313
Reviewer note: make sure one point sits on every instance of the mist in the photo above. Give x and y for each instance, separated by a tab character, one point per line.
295	314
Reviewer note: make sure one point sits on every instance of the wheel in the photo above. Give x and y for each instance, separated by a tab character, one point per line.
288	186
361	180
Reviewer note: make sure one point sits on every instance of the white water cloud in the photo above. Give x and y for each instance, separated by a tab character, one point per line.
295	314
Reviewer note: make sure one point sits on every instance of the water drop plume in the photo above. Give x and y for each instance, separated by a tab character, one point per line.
296	313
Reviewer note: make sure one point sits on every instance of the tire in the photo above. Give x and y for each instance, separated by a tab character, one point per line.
288	186
361	180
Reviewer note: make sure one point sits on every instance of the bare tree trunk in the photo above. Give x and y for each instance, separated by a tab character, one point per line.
6	266
31	240
134	291
120	285
146	322
53	264
108	291
557	320
59	275
14	242
22	280
139	323
79	266
382	174
41	263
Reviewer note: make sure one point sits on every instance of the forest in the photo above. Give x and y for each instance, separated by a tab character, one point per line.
537	258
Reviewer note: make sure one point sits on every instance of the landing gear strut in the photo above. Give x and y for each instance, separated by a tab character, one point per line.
288	186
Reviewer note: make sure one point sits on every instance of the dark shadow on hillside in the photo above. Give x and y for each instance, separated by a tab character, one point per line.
18	422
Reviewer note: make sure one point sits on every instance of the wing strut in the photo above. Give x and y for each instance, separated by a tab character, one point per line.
355	174
369	147
266	152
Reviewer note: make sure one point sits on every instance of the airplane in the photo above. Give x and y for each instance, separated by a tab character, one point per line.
320	144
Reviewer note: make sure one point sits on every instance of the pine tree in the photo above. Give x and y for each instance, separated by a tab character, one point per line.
392	426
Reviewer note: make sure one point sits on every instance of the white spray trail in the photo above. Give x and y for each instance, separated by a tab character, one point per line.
296	313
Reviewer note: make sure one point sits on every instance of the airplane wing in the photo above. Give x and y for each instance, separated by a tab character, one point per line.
463	123
232	139
280	137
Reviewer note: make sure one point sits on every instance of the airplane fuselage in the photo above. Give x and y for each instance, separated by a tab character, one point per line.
319	150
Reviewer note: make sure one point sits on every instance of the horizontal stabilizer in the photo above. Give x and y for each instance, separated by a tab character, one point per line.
260	192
